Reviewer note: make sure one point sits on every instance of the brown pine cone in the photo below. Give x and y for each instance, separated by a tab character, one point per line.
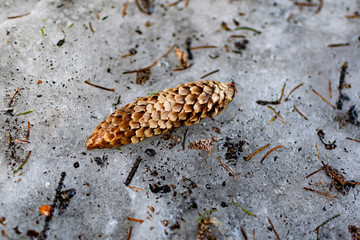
166	110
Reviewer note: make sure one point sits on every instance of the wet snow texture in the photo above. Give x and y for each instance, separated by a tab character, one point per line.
48	55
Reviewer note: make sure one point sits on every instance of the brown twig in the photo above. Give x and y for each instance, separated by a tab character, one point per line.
202	47
315	172
282	92
208	74
254	234
129	234
19	16
187	3
319	6
12	97
135	188
276	114
132	171
226	167
91	28
257	151
184	68
338	45
317	150
297	110
9	138
321	193
184	139
305	4
243	233
355	140
353	16
270	151
234	36
163	56
272	226
97	86
126	4
21	141
28	131
330	91
324	99
134	220
150	66
287	98
174	4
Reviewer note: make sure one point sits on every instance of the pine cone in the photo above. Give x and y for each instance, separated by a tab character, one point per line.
166	110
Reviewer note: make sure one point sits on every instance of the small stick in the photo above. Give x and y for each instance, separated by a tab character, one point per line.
19	16
181	69
287	98
174	4
12	98
234	36
133	171
136	188
315	172
321	193
317	234
21	141
306	4
254	234
272	226
339	45
9	138
226	48
134	220
276	114
226	167
352	16
184	138
317	150
330	92
202	47
163	56
324	99
257	151
270	151
208	74
91	28
97	86
243	233
333	175
282	92
124	9
129	234
355	140
187	3
321	3
23	163
297	110
28	131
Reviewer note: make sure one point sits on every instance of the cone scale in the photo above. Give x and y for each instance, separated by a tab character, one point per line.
186	105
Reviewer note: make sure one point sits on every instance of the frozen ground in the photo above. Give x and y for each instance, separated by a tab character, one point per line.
49	53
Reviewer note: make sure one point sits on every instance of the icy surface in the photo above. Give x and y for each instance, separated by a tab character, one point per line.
49	53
